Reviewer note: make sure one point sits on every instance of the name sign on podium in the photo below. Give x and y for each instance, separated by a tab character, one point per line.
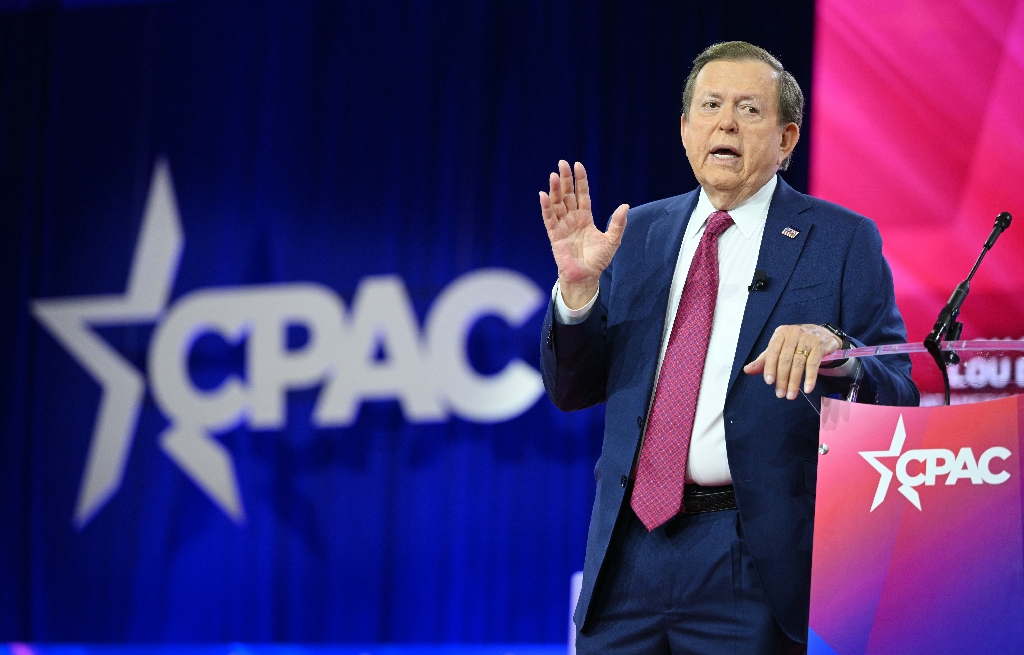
918	543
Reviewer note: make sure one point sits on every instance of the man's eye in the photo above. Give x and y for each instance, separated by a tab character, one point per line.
749	109
711	104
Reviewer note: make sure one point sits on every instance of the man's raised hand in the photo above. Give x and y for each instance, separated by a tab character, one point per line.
582	251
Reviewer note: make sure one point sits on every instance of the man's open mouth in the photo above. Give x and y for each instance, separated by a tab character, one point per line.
725	152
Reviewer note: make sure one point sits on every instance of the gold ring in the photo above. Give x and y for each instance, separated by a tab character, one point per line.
805	353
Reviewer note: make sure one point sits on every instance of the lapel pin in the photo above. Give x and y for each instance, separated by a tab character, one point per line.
790	232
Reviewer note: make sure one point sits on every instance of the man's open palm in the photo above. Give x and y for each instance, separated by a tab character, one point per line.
582	251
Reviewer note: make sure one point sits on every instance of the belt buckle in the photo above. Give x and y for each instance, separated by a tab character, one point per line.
708	501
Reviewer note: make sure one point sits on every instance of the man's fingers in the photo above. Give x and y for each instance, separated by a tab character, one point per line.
555	191
798	364
617	225
547	212
811	369
568	188
802	349
806	360
783	368
757	366
793	355
771	357
582	187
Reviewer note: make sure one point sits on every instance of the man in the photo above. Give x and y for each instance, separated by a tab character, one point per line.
700	538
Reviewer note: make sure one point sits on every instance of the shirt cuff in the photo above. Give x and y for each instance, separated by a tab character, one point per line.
567	316
847	370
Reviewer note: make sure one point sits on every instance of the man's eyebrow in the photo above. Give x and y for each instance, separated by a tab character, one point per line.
751	98
719	95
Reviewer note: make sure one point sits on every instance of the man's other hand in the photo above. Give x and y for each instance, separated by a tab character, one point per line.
794	352
582	251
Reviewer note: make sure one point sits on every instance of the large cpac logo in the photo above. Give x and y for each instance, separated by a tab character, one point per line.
426	370
936	462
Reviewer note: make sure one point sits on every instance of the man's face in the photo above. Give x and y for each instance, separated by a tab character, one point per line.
733	138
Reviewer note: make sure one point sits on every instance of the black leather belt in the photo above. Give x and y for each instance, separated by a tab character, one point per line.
698	499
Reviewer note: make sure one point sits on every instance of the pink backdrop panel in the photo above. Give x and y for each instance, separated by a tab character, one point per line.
917	124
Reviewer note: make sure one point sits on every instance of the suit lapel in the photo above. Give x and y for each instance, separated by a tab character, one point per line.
777	258
665	237
661	252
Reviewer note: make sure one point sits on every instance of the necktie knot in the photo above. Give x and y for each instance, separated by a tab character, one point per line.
717	223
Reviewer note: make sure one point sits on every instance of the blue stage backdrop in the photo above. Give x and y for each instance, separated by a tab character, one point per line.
272	281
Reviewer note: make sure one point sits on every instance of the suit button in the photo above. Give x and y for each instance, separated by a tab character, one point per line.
623	481
640	422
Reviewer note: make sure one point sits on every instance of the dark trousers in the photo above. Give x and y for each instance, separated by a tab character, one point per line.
688	587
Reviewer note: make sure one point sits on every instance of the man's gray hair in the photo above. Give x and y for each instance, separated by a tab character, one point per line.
790	97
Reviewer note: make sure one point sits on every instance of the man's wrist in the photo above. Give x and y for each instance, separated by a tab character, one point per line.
567	316
845	343
576	295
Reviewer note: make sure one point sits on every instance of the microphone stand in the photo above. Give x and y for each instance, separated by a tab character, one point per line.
947	324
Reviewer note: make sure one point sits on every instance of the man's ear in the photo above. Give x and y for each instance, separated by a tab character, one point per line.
682	129
790	136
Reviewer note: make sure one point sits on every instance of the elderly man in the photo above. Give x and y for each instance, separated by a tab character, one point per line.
700	538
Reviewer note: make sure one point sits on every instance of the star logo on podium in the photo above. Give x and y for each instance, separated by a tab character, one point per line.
885	474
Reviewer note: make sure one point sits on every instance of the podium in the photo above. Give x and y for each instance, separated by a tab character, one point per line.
918	537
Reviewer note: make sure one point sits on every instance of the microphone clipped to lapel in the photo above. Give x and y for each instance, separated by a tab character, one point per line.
760	281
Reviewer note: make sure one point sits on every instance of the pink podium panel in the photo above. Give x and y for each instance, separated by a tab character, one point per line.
918	542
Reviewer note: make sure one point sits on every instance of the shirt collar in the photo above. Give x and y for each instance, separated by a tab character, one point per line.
747	217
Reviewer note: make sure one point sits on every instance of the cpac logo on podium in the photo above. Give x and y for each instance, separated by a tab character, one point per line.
935	462
427	371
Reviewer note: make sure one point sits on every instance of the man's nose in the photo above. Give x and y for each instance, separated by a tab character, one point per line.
728	122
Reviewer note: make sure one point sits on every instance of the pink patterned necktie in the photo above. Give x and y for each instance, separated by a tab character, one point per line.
660	475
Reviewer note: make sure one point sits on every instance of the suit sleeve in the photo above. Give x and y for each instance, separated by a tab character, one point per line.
870	316
574	359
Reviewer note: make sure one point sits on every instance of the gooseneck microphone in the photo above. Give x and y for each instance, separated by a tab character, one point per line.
1002	222
947	324
760	281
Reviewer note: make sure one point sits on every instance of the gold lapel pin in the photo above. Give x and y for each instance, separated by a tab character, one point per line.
790	232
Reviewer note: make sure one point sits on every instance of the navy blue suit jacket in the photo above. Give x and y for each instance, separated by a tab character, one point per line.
831	272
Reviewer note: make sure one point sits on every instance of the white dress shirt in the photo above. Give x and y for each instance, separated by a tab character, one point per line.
738	249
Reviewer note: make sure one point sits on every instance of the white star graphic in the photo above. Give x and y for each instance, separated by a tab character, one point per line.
70	321
895	449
